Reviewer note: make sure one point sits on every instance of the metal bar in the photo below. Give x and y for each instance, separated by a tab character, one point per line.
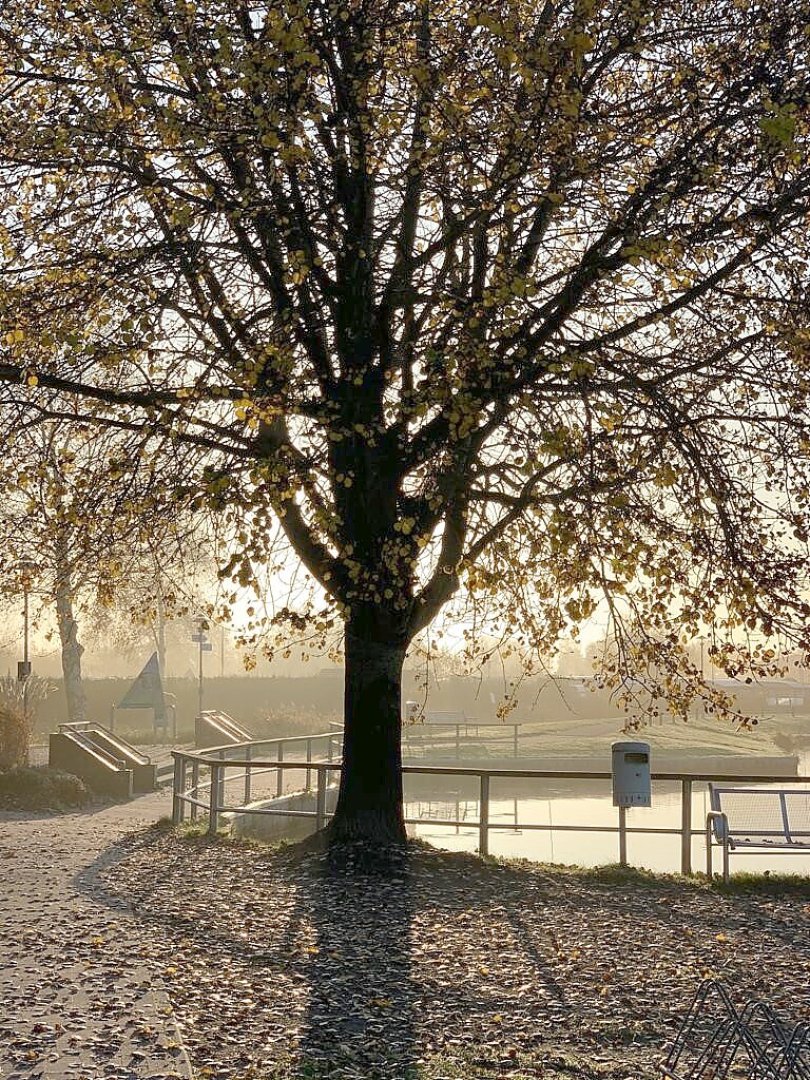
709	825
213	804
686	827
320	800
725	855
248	778
785	819
622	836
483	816
522	774
280	781
308	786
195	783
177	788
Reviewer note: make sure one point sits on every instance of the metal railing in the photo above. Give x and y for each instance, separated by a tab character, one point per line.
218	761
456	734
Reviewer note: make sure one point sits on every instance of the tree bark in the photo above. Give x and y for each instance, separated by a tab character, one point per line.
369	805
68	636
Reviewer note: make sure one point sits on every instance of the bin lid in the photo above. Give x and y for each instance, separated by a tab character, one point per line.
631	748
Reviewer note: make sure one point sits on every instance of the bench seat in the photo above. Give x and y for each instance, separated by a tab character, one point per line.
757	819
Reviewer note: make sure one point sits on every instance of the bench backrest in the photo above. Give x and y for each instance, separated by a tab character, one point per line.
763	815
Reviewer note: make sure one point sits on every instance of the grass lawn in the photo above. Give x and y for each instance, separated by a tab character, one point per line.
588	737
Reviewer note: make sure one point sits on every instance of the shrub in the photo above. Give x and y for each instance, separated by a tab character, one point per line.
15	732
18	702
41	788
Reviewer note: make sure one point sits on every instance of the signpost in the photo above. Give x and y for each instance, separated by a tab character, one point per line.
201	638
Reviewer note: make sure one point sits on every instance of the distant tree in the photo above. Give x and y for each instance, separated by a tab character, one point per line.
165	587
507	299
70	515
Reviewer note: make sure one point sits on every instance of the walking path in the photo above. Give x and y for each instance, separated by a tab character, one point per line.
77	1001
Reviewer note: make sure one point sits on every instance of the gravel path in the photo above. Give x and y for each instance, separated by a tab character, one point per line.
449	968
78	997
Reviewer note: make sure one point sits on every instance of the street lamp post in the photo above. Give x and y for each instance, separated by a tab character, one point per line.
204	646
26	569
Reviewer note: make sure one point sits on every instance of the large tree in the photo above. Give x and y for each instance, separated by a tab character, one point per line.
497	297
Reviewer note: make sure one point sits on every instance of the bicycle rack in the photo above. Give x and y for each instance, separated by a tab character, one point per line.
718	1040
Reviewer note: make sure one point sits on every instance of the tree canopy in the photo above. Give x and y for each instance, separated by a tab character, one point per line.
506	299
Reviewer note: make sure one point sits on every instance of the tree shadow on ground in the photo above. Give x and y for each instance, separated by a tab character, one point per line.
322	969
357	915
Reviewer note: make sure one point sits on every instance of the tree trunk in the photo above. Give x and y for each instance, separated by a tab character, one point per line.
68	636
369	805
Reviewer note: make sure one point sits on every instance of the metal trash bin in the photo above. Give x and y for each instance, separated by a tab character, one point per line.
631	774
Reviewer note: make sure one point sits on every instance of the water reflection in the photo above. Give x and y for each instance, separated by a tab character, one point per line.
516	803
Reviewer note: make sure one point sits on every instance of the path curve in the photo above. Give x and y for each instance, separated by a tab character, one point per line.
78	1001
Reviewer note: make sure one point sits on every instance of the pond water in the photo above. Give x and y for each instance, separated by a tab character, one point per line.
514	803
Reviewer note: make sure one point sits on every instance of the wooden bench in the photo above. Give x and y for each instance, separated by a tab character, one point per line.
756	820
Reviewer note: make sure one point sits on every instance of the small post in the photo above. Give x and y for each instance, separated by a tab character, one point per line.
458	741
622	836
195	783
483	816
515	741
329	749
248	754
320	800
280	781
686	827
309	771
213	806
177	789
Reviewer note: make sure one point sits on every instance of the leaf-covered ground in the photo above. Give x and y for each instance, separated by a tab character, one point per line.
77	1000
281	967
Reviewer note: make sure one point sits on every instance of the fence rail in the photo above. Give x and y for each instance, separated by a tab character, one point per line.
321	758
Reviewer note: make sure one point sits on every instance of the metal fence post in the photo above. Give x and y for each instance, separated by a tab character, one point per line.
248	755
178	783
686	826
195	783
320	800
309	771
279	759
622	836
329	749
213	806
483	816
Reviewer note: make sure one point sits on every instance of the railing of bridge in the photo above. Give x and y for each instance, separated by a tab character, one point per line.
203	780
